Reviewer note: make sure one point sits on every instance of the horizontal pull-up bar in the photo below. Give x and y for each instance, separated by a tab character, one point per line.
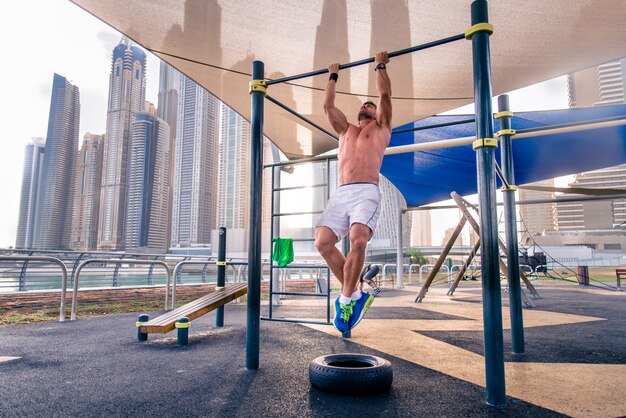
371	59
526	133
437	125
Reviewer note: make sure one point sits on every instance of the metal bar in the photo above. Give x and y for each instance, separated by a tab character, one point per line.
299	294
221	274
295	321
437	125
485	159
400	244
503	179
571	125
533	201
117	263
510	221
50	260
22	280
313	186
315	212
272	227
521	134
254	249
371	59
299	116
323	158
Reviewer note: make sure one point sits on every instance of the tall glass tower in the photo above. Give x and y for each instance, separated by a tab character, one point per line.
148	185
88	180
127	95
31	182
54	217
193	214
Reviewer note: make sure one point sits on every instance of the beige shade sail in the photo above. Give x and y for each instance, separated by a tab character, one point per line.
214	43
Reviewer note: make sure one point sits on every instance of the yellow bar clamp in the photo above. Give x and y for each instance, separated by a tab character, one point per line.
503	114
220	263
182	324
505	132
258	85
479	27
511	188
219	287
485	142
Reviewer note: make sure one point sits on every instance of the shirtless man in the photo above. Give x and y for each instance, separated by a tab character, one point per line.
355	206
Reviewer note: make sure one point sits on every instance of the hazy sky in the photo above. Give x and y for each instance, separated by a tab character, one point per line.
41	37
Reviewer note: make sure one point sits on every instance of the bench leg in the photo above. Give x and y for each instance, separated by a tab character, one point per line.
142	336
183	325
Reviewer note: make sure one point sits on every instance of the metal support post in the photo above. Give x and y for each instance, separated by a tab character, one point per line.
400	245
485	161
254	242
510	219
221	274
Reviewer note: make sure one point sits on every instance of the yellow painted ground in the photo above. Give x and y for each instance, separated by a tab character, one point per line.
572	389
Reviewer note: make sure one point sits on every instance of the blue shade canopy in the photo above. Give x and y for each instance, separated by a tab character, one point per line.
425	177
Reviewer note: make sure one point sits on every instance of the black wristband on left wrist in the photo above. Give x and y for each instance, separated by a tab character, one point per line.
333	76
380	66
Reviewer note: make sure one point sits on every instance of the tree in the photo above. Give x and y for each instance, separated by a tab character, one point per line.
416	256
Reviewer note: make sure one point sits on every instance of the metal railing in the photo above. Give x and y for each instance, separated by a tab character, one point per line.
117	262
49	260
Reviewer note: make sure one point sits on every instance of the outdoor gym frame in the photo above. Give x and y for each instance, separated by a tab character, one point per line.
484	146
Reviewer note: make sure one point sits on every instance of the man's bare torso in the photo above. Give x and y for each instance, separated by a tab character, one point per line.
361	153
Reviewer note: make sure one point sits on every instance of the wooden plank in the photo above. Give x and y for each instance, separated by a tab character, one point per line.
193	306
166	322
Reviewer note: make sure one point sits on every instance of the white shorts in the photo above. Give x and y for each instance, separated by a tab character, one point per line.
351	203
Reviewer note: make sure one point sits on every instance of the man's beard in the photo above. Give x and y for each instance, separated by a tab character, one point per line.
364	114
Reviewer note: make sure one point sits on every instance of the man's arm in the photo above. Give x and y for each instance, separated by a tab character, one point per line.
383	85
335	116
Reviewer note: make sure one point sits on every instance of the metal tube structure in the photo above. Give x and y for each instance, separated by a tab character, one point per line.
400	244
254	241
510	222
221	274
370	60
485	161
299	116
437	125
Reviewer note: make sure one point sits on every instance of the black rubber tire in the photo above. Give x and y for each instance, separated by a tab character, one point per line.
351	373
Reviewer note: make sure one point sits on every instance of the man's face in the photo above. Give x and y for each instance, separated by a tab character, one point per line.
367	111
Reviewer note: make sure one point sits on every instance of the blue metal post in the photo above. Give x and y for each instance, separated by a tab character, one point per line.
182	326
221	274
485	160
510	219
254	242
142	336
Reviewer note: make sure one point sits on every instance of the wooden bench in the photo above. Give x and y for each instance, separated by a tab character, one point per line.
167	322
619	273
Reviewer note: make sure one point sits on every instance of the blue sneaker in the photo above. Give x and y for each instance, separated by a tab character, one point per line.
343	315
359	308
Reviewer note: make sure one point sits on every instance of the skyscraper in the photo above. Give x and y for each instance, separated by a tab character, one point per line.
537	218
169	80
54	218
148	184
597	86
127	94
87	189
234	171
193	214
29	198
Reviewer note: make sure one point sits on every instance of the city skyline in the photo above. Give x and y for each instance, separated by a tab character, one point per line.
65	24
